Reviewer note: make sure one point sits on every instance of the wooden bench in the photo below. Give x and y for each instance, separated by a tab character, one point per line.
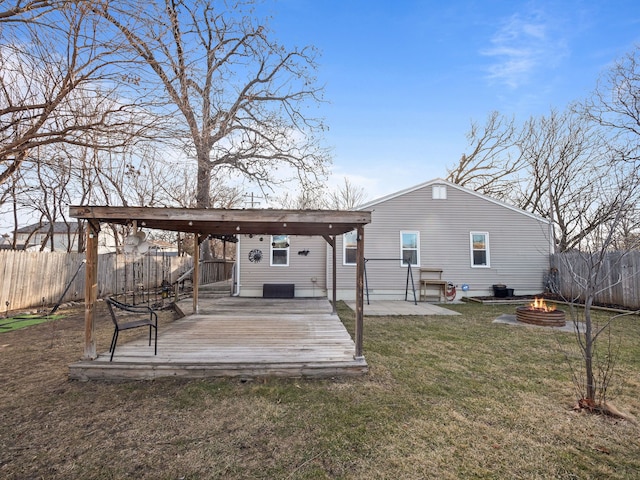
144	316
430	278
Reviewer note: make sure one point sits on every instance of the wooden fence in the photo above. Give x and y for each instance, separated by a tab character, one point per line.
42	279
617	284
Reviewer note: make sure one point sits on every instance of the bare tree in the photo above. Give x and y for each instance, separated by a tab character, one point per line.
342	197
346	196
564	153
615	104
494	159
304	199
180	190
547	167
28	11
57	84
243	98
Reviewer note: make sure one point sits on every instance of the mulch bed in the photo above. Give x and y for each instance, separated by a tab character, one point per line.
553	297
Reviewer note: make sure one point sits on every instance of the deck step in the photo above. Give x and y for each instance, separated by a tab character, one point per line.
91	370
215	290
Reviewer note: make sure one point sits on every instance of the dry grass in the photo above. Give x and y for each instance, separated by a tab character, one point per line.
446	398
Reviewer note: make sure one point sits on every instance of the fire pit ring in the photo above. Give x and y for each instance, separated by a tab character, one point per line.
537	316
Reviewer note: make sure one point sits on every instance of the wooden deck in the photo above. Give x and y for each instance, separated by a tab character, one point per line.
237	337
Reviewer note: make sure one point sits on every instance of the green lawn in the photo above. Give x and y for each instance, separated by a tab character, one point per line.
446	398
22	321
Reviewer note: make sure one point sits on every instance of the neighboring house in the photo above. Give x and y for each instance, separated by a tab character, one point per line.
58	238
475	240
64	235
5	242
162	248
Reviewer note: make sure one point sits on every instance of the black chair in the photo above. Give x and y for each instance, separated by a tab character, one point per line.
151	321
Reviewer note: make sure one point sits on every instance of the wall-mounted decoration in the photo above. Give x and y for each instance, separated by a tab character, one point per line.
255	255
303	252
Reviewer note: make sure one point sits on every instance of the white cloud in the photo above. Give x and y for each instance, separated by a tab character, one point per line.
524	46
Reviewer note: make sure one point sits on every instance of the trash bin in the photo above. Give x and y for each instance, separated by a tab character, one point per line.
500	291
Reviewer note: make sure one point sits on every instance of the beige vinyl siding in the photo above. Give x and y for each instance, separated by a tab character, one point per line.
300	271
518	243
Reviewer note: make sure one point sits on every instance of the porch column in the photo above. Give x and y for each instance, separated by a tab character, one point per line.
359	291
91	290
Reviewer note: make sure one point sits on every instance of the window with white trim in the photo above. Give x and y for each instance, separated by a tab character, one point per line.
280	250
479	249
410	248
349	247
439	192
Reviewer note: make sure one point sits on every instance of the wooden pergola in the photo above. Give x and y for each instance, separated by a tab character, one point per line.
205	222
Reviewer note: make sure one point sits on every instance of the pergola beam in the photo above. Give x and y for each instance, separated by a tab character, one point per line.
229	221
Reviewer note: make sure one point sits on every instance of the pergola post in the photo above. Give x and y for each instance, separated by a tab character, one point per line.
91	290
334	276
196	272
331	240
359	291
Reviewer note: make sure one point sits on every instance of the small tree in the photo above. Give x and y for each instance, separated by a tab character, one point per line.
591	268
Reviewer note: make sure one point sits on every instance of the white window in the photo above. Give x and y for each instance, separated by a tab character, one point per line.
410	248
480	249
439	192
280	250
349	247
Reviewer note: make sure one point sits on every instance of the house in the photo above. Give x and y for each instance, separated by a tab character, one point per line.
59	237
476	242
5	242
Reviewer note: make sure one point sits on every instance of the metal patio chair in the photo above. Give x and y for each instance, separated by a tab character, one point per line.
145	316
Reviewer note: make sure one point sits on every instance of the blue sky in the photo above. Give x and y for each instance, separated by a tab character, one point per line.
405	78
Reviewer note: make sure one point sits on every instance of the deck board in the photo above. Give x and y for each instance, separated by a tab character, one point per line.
237	337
